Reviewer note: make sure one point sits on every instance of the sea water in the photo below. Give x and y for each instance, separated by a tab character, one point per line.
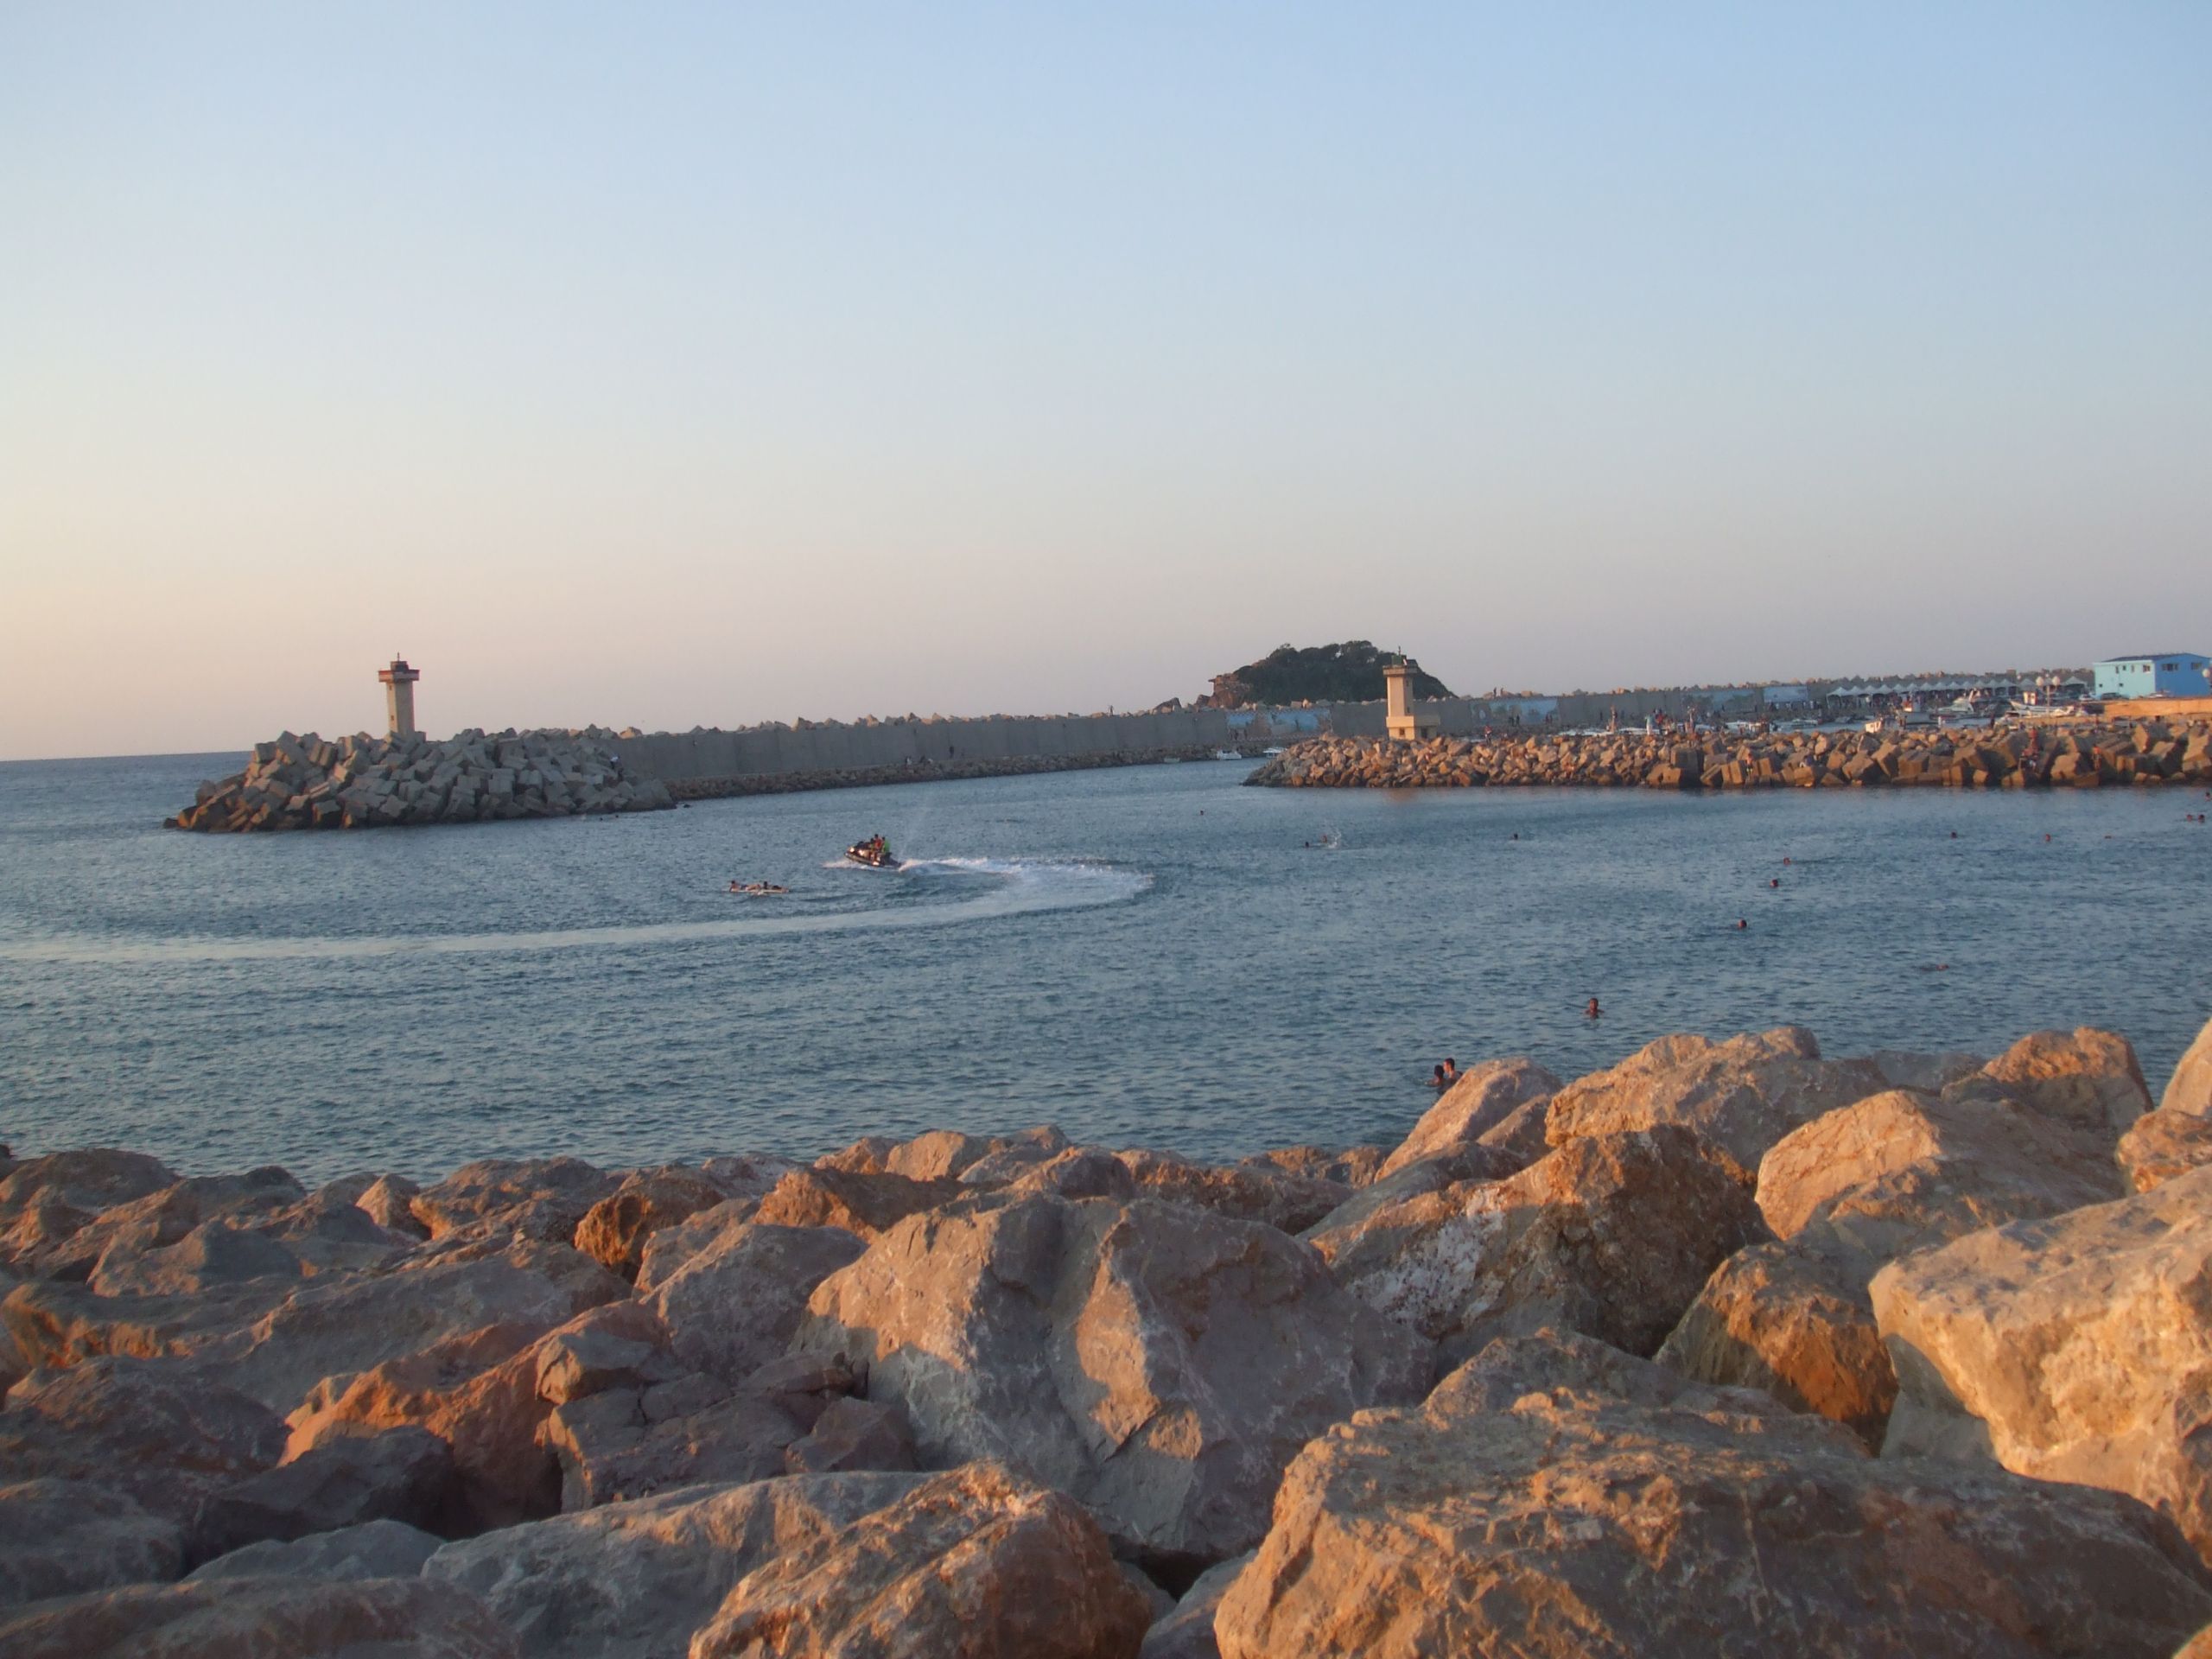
1149	956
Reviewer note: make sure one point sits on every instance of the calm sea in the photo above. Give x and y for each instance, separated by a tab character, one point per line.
1152	956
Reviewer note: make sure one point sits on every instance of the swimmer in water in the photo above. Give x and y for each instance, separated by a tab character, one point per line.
1954	835
1743	926
1593	1010
1774	882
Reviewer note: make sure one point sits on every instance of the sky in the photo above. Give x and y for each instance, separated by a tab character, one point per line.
682	364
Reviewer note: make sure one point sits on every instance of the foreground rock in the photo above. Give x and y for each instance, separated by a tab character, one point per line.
1485	1096
1158	1362
977	1561
402	1476
1613	1235
2077	1348
2189	1090
1742	1094
374	1549
62	1537
364	782
1557	1498
245	1618
634	1581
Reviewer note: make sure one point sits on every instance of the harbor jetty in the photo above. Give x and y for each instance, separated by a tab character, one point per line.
1912	1344
364	782
2085	754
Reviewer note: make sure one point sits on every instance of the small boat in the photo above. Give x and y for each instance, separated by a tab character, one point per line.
1227	754
1273	748
875	854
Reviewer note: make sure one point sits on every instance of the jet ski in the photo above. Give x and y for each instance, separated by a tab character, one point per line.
875	852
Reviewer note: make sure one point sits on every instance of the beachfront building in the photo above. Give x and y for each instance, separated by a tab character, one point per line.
2155	674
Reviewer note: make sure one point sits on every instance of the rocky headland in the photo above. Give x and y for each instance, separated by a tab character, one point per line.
362	782
2075	755
1730	1349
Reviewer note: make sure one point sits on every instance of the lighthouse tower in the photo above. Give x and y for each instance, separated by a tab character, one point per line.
1400	721
399	695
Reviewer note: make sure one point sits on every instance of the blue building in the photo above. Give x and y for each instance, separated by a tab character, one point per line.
2154	674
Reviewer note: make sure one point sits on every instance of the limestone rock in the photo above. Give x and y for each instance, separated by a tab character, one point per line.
633	1580
733	1307
104	1250
1342	1227
1241	1193
2085	1080
1158	1362
664	1251
2190	1088
1353	1167
1078	1172
1797	1325
1484	1098
372	1549
540	1197
614	1230
63	1537
1611	1235
389	1201
349	1324
1900	1170
975	1561
1187	1632
1742	1094
44	1201
1557	1498
149	1428
630	1443
2077	1348
233	1618
853	1434
402	1474
863	1203
2161	1145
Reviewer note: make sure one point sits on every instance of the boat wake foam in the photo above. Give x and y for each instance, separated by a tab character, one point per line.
1002	887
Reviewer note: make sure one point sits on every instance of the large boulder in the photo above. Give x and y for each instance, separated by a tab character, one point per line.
1186	1631
63	1537
2161	1145
1900	1170
1742	1095
105	1248
542	1198
1348	1166
975	1561
1796	1323
1240	1192
1157	1361
2085	1080
402	1474
1377	1205
1484	1098
348	1324
669	1247
1611	1235
2190	1088
865	1204
613	1231
79	1183
152	1429
373	1550
632	1441
246	1619
633	1580
1557	1498
2077	1348
733	1307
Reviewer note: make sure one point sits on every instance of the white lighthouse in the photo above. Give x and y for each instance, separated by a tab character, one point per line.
399	695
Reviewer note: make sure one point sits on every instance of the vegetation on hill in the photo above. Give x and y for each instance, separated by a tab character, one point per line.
1350	672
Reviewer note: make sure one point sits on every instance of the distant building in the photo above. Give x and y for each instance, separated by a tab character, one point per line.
1785	696
2154	674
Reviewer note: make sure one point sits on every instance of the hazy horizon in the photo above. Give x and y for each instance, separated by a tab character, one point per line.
696	366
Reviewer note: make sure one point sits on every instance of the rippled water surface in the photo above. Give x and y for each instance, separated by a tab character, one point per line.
1146	955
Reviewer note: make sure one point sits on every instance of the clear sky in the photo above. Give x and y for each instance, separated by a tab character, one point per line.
700	365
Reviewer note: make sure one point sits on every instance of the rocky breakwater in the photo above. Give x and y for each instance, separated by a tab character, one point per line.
1732	1349
2085	755
362	782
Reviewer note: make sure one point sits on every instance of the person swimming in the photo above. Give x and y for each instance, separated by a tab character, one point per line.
1774	882
1593	1011
1742	926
